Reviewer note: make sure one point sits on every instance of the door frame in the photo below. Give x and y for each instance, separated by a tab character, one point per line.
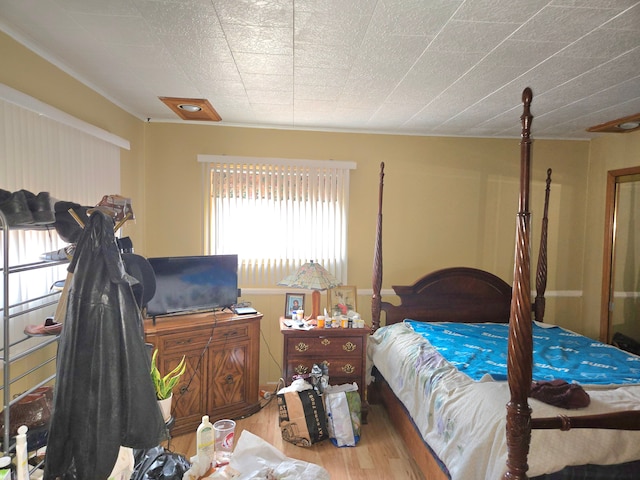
614	178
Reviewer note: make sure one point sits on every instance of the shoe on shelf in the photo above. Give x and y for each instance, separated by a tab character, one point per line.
41	207
49	327
15	208
65	253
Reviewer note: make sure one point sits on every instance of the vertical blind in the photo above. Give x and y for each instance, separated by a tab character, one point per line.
278	214
41	154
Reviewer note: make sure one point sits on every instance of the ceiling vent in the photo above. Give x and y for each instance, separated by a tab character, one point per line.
192	108
621	125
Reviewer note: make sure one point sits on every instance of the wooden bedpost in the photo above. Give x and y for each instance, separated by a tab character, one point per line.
377	261
541	272
520	343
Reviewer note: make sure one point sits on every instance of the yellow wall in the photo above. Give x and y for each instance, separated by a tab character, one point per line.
447	201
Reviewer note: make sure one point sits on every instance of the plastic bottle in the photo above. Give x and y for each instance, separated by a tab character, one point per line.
22	458
6	472
205	442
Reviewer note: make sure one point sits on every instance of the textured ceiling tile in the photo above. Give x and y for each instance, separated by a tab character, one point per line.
412	17
629	21
471	37
313	105
344	30
432	74
273	97
604	43
564	24
509	53
222	90
266	13
258	81
335	77
263	63
98	7
252	39
137	56
180	18
117	29
282	113
352	7
308	55
314	92
504	11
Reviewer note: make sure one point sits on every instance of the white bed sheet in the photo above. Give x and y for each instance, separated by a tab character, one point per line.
464	422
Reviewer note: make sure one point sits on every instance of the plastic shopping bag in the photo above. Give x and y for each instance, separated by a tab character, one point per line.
343	407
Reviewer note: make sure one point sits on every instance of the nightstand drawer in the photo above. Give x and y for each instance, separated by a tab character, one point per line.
339	367
325	345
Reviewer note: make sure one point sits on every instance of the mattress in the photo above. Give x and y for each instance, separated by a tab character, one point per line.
464	420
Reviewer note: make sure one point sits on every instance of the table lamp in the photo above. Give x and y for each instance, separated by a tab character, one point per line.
312	276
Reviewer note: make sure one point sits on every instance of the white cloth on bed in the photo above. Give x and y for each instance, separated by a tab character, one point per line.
464	422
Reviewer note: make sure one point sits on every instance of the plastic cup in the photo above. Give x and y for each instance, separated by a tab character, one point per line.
320	321
300	314
223	431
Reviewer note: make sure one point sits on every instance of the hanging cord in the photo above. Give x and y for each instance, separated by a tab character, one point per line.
269	350
185	388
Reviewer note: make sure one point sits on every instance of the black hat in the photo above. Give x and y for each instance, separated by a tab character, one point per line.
68	229
139	268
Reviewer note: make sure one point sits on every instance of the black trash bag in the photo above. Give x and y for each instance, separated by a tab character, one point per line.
158	463
104	396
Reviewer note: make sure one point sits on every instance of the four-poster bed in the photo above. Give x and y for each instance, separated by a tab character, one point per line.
420	393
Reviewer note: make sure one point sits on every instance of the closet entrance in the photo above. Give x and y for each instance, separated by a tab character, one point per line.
620	310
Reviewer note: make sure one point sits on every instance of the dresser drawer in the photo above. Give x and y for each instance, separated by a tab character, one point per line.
230	332
182	342
339	367
321	345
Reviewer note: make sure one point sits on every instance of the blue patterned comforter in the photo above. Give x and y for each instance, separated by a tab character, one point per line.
480	349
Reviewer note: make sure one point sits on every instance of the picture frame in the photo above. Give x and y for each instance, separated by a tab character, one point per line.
343	298
293	301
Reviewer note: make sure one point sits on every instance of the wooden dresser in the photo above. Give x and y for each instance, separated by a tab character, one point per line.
344	350
223	356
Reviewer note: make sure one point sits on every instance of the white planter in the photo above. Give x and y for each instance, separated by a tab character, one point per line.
165	408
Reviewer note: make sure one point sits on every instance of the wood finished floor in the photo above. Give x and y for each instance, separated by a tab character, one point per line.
380	453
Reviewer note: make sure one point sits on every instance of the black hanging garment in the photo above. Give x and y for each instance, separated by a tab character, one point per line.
104	396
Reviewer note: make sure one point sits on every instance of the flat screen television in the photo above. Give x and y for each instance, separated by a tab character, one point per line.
193	284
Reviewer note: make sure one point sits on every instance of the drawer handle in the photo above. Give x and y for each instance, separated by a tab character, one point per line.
184	342
302	347
183	390
325	341
348	368
228	379
301	369
349	347
230	334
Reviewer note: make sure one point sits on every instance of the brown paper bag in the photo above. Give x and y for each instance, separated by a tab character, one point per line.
303	420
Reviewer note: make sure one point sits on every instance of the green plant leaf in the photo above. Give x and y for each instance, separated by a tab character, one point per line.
164	384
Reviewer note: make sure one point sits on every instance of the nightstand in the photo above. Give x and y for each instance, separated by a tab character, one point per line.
344	351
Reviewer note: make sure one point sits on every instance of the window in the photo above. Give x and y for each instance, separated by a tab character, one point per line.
277	214
44	149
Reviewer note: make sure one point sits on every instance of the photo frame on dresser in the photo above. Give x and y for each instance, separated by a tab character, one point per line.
293	301
343	298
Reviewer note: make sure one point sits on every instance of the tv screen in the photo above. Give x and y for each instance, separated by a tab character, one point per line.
191	284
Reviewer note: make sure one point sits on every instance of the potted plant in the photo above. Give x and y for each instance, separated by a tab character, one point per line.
164	384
